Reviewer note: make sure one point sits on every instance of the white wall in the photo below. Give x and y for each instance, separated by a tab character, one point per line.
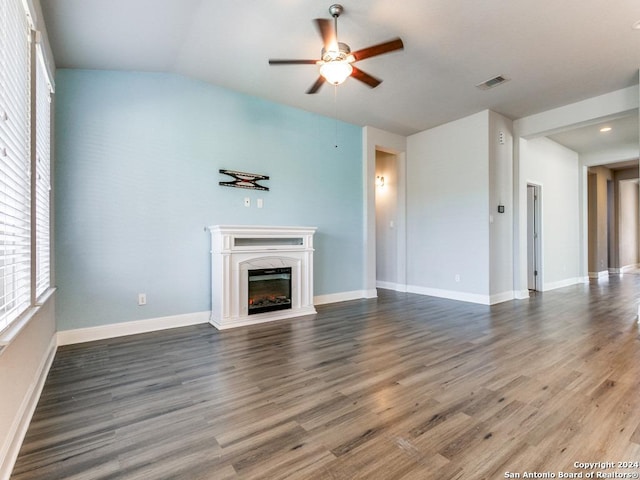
448	210
501	193
24	364
556	169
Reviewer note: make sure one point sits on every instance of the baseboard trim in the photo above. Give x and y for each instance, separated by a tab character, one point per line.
397	287
450	294
344	296
90	334
564	283
261	318
28	407
598	275
502	297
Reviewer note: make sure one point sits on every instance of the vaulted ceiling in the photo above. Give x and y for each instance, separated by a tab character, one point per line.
553	52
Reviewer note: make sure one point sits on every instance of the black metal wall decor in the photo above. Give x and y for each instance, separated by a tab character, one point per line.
244	180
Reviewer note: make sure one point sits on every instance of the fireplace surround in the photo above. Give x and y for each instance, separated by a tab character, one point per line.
260	274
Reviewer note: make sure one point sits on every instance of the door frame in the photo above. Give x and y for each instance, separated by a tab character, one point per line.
534	235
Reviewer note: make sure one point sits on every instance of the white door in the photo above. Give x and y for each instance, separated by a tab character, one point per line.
533	237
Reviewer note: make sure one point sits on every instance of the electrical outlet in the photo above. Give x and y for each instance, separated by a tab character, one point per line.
142	299
260	203
457	277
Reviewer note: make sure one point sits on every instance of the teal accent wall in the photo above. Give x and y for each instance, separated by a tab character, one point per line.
136	182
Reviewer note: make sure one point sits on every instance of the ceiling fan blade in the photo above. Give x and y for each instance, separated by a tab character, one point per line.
292	62
327	32
364	77
372	51
316	86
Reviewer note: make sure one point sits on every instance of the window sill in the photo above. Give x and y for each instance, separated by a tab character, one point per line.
12	331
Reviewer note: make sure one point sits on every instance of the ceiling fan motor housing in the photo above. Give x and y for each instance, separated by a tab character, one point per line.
331	55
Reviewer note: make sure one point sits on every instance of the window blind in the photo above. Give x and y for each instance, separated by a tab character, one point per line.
15	193
43	177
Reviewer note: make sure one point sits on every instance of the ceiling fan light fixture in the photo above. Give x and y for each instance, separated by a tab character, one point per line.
336	71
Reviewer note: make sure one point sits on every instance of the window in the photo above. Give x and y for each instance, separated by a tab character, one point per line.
42	185
24	170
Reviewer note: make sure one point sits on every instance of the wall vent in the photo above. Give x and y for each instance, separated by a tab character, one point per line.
492	82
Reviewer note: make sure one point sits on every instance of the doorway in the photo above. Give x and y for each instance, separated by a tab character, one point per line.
386	208
534	269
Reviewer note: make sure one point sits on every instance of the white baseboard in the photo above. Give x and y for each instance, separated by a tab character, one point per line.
602	274
564	283
344	296
451	294
372	293
397	287
502	297
25	413
245	321
521	294
80	335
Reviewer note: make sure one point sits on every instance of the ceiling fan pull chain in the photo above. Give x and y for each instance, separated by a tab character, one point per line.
335	111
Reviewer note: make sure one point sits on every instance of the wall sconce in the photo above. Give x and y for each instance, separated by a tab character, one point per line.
379	181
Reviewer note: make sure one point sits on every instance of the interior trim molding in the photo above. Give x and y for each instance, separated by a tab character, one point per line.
89	334
450	294
565	283
113	330
344	296
601	274
398	287
502	297
25	413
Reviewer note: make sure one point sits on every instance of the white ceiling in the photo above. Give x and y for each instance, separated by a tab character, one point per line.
554	52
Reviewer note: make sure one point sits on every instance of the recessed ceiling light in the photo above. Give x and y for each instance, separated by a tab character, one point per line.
605	129
636	25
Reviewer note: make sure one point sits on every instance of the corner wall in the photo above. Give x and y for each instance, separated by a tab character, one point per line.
556	169
24	365
501	193
137	160
448	240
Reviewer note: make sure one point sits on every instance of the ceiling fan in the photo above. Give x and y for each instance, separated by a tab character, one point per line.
337	59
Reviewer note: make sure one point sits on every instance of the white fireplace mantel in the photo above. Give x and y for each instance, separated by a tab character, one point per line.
236	249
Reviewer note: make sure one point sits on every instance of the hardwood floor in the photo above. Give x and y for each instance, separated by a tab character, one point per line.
402	387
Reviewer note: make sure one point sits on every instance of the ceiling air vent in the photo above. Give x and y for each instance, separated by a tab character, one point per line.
492	82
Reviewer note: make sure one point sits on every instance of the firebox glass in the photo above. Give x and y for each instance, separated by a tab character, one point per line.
269	290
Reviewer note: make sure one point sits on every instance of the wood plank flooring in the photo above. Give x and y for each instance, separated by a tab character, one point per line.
399	387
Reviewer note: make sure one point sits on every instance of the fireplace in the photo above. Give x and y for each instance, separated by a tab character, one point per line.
269	289
260	274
